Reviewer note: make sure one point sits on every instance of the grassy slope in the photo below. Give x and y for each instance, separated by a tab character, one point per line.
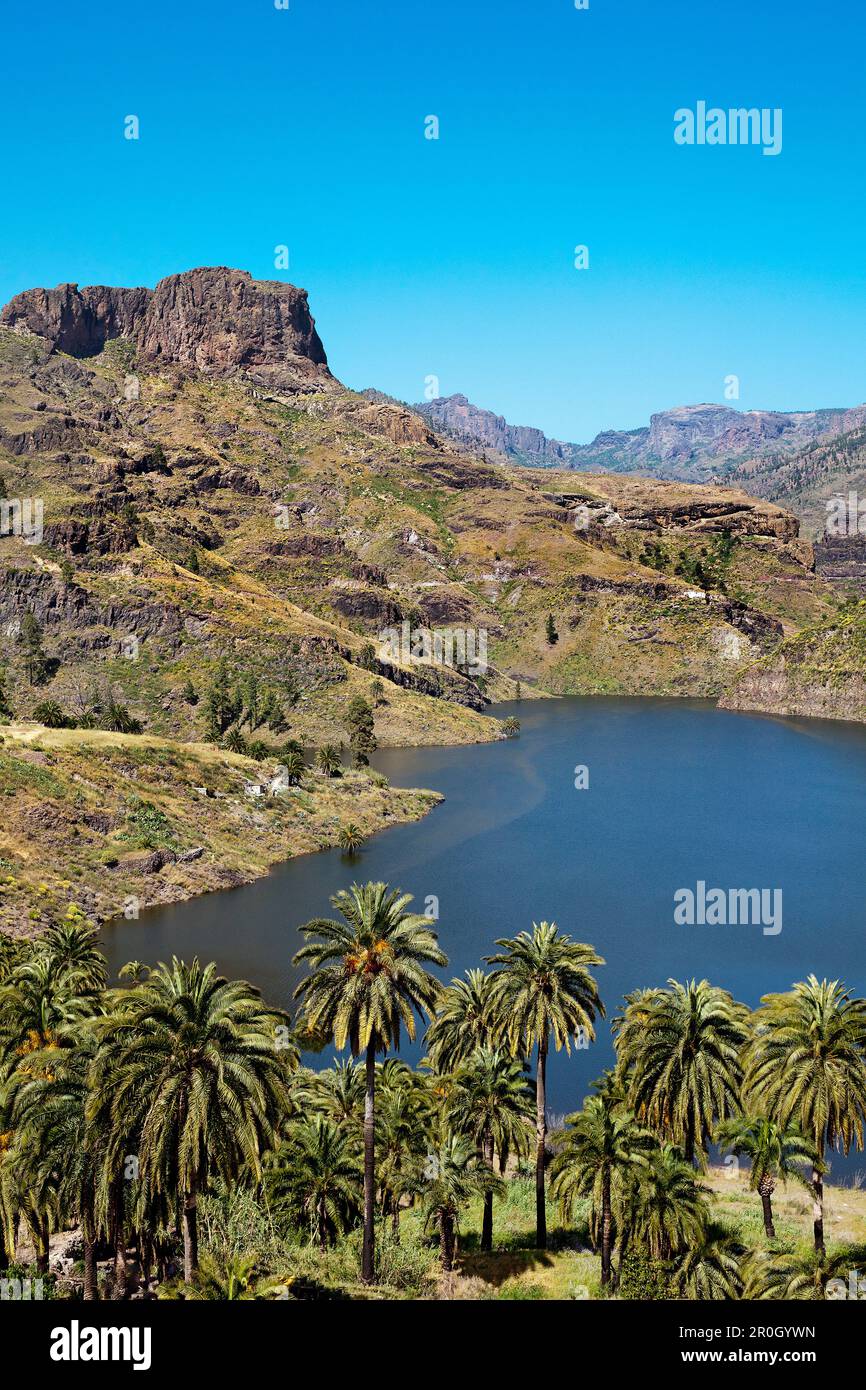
820	671
516	1271
73	830
569	1268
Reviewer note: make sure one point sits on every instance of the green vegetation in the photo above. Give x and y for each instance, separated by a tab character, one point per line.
359	721
93	818
170	1123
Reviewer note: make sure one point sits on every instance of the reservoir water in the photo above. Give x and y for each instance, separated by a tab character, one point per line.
679	793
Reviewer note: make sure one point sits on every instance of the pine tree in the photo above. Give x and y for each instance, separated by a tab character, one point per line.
552	634
222	705
359	722
35	660
251	699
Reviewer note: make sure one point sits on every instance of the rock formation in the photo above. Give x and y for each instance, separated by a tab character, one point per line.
212	320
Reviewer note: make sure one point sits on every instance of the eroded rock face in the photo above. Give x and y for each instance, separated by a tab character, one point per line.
217	320
393	421
78	322
213	320
458	418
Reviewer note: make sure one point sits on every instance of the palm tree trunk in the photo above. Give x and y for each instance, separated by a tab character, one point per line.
540	1144
368	1257
119	1283
190	1236
623	1251
42	1246
145	1243
487	1220
689	1146
767	1204
446	1229
91	1289
606	1224
90	1280
818	1188
118	1240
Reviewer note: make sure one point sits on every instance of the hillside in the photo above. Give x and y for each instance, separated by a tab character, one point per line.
108	822
809	480
211	494
820	672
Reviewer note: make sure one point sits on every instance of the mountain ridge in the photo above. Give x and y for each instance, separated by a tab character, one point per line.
214	497
689	443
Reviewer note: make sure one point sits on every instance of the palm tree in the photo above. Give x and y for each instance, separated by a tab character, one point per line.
42	998
49	1117
463	1022
368	980
189	1065
70	947
710	1268
294	764
670	1213
38	1001
225	1281
351	838
453	1176
807	1063
543	986
678	1051
795	1275
773	1150
315	1177
491	1105
403	1117
604	1152
329	761
340	1092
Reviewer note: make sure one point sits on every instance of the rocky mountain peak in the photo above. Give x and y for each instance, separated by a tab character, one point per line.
213	319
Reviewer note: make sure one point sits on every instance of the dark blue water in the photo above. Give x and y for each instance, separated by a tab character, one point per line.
678	792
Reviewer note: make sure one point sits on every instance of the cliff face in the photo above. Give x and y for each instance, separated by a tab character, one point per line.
694	442
810	479
458	419
213	320
78	322
820	672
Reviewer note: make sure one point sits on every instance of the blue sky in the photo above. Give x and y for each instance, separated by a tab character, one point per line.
454	258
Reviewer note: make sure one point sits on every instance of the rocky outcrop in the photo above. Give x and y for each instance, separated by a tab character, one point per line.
69	607
458	419
640	505
78	322
763	631
213	320
390	419
820	672
842	560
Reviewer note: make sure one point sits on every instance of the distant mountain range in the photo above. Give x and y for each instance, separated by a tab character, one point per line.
797	457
